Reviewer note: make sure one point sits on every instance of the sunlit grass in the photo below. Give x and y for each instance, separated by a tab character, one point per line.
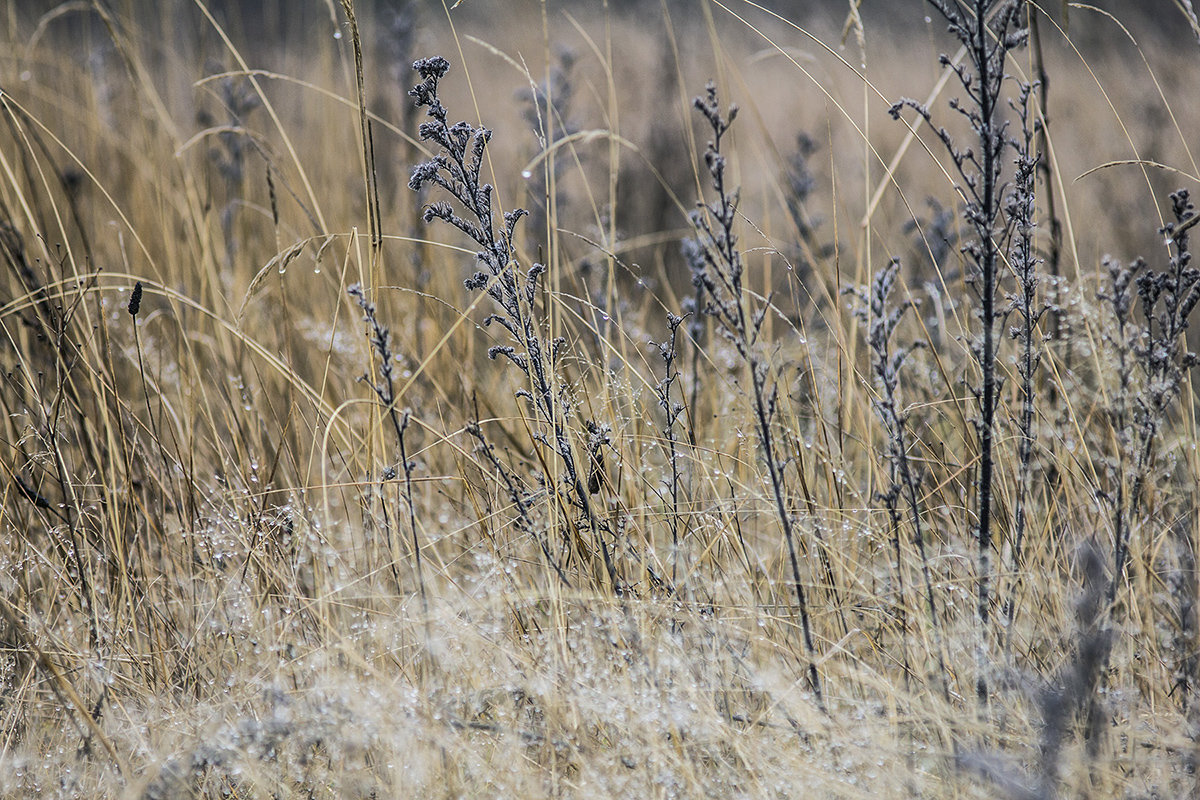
266	536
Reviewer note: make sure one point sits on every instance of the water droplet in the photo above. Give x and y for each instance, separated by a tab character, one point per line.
337	34
526	174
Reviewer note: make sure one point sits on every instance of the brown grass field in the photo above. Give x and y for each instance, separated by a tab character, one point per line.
288	510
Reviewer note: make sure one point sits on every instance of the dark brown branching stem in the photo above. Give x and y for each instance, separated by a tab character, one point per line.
519	497
1021	210
882	317
695	331
718	270
988	30
1120	297
673	411
515	291
385	390
401	427
1152	362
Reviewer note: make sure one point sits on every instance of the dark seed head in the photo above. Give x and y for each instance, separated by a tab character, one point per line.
135	301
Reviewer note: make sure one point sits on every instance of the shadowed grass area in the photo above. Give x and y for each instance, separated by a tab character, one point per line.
793	436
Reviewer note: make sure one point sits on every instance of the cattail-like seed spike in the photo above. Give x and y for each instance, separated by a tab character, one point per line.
135	300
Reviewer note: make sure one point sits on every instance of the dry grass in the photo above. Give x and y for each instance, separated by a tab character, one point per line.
208	556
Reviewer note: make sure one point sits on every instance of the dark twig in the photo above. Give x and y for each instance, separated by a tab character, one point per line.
989	30
904	484
456	169
717	271
385	390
